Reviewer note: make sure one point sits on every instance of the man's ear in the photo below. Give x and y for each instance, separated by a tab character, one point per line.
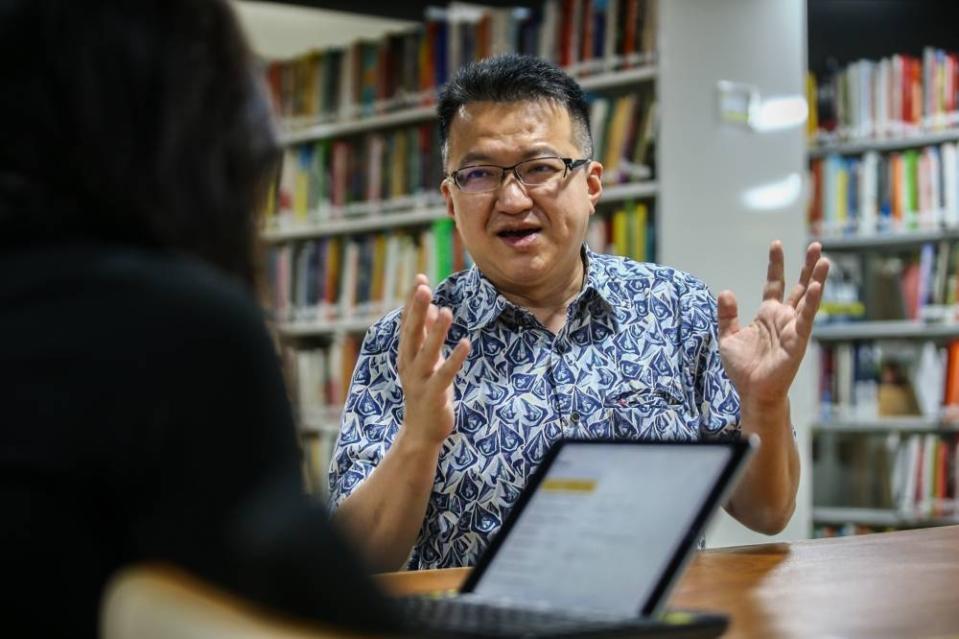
594	182
446	189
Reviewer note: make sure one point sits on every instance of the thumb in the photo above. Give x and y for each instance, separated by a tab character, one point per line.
727	314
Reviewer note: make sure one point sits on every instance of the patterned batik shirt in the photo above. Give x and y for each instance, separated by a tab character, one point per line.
638	358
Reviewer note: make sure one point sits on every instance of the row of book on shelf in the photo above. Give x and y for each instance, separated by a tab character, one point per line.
319	180
900	191
338	277
320	377
867	381
910	477
895	96
405	68
911	284
332	179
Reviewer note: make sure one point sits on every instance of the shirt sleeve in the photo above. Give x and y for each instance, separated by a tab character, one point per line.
372	414
714	393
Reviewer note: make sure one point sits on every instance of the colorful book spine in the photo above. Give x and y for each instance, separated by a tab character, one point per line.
916	189
891	97
365	275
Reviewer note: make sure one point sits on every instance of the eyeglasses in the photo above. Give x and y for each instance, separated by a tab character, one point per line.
536	172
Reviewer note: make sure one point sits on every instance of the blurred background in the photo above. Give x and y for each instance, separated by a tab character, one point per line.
723	125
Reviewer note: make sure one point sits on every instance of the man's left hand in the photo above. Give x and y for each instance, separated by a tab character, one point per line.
762	357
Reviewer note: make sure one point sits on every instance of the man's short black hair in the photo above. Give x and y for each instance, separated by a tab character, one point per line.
514	78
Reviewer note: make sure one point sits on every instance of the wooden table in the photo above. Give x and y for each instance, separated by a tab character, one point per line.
899	584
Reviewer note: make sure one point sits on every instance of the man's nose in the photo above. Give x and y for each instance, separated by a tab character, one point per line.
512	196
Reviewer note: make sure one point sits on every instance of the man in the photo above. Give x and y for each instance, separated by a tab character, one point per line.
455	400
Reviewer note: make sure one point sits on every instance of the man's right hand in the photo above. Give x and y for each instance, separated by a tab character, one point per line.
427	376
385	513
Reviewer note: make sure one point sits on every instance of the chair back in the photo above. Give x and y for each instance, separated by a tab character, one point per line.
162	602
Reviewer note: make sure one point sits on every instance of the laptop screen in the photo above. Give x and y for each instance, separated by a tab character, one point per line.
607	523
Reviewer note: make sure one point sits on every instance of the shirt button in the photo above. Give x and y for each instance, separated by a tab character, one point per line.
574	417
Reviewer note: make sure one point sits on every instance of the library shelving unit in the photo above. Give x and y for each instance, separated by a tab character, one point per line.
887	329
885	445
884	167
855	147
340	255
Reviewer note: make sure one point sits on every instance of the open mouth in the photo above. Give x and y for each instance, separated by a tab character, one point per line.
517	233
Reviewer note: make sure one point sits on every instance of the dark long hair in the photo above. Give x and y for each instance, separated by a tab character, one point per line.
132	121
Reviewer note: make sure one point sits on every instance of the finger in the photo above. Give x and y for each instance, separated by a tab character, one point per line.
821	271
412	322
727	314
813	253
806	311
775	273
420	280
432	312
426	358
446	373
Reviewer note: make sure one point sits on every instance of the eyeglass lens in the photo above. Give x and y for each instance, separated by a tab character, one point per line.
488	177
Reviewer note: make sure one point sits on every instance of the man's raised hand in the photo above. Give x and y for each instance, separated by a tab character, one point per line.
425	374
762	357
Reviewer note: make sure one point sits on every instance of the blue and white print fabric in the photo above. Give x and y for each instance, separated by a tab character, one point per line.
638	358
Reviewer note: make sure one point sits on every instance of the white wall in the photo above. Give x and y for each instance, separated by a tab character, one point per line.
705	166
282	31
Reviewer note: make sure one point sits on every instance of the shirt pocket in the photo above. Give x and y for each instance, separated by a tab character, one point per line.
655	410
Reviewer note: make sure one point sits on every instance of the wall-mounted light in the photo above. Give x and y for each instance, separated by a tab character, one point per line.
773	195
781	113
742	105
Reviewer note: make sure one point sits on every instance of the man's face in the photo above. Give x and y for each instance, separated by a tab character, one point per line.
523	238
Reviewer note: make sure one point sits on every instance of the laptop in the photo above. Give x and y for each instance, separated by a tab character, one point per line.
593	545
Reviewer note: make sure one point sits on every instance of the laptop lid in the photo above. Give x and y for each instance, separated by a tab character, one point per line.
608	525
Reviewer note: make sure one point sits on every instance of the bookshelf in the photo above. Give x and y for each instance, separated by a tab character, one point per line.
368	222
886	240
883	425
888	330
856	147
294	133
299	131
355	211
885	205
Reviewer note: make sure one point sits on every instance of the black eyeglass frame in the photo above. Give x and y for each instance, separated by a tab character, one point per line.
570	165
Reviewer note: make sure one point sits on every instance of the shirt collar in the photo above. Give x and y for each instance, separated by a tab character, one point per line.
599	280
485	303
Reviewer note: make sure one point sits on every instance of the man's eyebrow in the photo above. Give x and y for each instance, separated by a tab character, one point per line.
478	157
474	157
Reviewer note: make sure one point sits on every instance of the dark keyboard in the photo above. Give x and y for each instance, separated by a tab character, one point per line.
464	617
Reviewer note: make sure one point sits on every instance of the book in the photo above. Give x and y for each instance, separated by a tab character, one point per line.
443	242
403	69
951	390
894	96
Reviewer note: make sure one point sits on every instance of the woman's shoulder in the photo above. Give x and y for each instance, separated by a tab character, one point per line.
159	291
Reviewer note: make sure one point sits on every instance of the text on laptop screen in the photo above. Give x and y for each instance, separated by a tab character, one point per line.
603	525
